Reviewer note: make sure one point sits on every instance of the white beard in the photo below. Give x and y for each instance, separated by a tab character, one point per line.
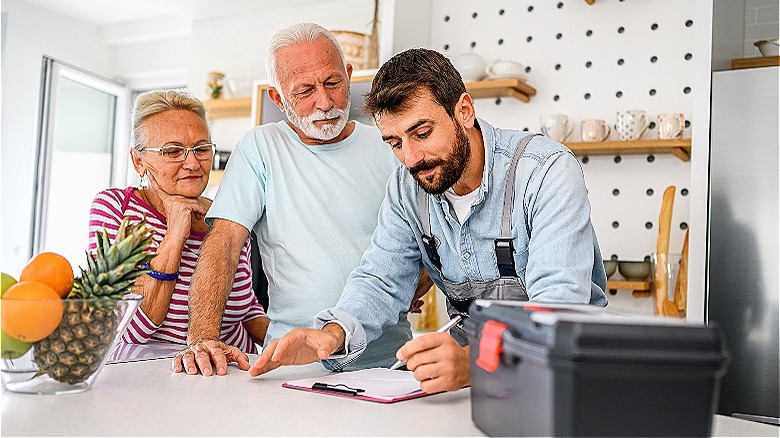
306	123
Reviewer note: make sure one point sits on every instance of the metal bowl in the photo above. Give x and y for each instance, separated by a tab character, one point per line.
610	266
635	271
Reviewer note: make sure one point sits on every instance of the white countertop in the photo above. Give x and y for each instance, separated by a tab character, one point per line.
145	398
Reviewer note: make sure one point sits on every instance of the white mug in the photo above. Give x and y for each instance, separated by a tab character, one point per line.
557	126
595	130
470	66
631	124
500	69
671	125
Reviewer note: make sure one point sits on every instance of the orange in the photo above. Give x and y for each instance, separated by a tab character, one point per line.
31	311
51	269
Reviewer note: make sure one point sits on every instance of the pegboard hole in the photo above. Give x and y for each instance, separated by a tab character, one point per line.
446	18
650	158
589	33
687	90
647	258
648	225
688	56
621	29
689	23
649	192
613	257
525	129
529	38
654	26
683	226
615	224
621	61
586	96
617	159
557	66
653	59
615	192
560	5
498	101
652	92
619	94
651	125
501	12
474	15
528	69
585	159
473	44
530	9
588	64
684	192
446	47
558	36
500	41
556	98
687	124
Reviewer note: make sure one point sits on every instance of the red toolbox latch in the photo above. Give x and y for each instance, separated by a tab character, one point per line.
490	345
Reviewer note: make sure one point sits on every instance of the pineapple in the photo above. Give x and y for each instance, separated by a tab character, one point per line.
75	350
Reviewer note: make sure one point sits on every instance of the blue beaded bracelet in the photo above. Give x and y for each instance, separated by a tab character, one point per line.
162	276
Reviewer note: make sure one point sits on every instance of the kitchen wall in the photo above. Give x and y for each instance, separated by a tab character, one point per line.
29	32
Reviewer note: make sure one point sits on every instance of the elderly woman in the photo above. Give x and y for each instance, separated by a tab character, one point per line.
173	153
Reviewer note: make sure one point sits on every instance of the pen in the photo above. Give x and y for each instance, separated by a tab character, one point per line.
444	328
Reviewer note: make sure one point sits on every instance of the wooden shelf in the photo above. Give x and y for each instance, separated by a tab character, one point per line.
761	61
222	108
628	285
680	148
590	2
511	87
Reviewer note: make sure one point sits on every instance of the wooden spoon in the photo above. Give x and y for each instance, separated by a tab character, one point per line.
681	291
662	250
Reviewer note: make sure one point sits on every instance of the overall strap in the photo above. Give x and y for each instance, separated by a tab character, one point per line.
429	241
503	245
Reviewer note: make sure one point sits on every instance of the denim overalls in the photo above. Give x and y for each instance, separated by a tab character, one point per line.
508	286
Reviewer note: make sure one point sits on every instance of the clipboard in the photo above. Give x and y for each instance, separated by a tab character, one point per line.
379	385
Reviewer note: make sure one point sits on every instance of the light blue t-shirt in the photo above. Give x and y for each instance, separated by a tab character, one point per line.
314	209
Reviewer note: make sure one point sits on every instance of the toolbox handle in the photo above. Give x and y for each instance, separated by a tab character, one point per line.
490	347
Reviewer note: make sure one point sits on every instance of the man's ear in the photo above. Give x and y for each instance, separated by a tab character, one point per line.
464	110
276	98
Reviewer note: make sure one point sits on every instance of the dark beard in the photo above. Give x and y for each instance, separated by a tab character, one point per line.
451	167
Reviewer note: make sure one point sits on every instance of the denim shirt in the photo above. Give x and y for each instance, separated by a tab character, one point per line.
557	256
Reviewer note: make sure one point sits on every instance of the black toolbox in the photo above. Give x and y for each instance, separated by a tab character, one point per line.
579	370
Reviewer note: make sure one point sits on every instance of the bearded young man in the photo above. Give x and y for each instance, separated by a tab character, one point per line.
310	187
491	213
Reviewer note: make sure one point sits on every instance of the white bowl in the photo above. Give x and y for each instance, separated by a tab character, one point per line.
768	47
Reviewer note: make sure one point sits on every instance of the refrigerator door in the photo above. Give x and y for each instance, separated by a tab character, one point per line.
743	236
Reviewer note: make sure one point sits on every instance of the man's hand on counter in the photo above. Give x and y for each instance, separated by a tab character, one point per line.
205	355
300	346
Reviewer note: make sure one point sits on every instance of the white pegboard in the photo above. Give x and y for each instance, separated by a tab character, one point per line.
652	30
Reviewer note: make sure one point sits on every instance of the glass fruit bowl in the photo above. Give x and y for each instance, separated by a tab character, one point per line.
60	346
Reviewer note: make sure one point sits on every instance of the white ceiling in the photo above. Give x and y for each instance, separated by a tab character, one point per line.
103	12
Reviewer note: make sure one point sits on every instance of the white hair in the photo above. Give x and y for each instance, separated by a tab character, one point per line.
295	34
158	101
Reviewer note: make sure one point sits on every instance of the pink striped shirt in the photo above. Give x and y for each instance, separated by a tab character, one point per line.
108	208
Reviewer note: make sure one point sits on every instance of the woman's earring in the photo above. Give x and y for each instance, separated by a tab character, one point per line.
144	179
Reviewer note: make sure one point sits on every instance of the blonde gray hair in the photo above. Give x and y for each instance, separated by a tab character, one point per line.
295	34
158	101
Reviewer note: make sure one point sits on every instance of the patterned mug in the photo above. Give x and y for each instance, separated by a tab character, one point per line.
631	124
595	130
671	125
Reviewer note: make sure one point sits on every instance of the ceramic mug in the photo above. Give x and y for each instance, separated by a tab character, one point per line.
507	69
470	66
595	130
557	126
631	124
671	125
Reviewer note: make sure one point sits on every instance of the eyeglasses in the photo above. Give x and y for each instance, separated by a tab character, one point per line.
176	154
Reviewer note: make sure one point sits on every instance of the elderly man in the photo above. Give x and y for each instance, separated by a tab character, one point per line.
311	188
491	213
